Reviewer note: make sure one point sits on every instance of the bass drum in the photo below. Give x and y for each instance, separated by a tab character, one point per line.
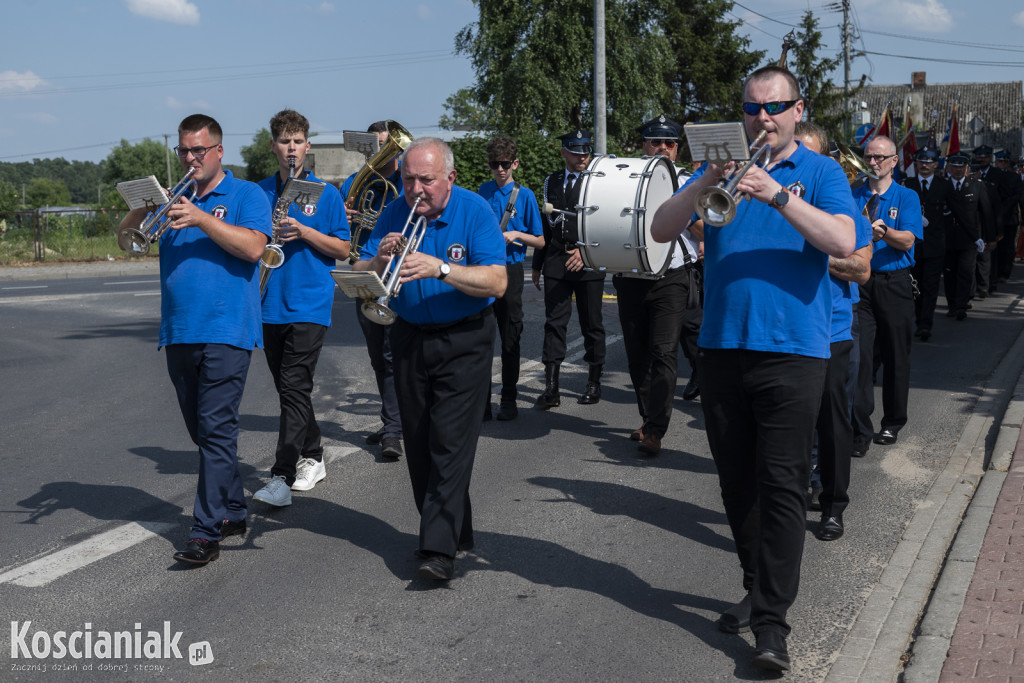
618	199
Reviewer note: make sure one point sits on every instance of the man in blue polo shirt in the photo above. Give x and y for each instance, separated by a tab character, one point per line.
297	309
519	219
765	346
442	341
210	322
886	311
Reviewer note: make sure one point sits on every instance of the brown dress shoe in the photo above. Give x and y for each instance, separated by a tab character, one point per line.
637	435
650	444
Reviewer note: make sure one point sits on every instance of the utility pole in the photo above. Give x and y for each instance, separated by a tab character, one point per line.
847	37
167	155
600	94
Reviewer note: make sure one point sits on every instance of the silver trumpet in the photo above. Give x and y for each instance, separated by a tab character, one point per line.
379	311
138	240
273	254
717	205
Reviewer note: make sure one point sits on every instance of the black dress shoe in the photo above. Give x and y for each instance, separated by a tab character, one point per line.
437	567
591	395
692	390
831	527
860	449
961	314
198	551
770	651
736	619
886	437
507	411
925	335
391	448
229	528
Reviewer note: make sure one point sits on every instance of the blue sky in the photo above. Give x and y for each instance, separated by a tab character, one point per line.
77	76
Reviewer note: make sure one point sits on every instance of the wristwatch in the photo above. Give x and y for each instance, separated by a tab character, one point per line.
780	199
445	270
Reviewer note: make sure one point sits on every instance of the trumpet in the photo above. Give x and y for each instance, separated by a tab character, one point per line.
370	187
379	311
138	240
716	205
273	254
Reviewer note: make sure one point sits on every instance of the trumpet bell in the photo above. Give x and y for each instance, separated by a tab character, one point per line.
378	312
715	206
134	241
273	256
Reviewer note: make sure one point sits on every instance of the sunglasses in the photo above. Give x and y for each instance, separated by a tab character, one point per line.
505	165
662	142
772	108
879	158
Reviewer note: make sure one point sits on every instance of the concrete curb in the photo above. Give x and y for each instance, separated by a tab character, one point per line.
63	271
877	646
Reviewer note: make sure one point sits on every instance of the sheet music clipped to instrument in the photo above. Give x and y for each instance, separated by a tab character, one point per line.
302	192
364	285
356	141
717	142
144	193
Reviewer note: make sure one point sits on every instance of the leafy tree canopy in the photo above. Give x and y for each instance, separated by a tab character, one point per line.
821	95
260	161
47	192
10	200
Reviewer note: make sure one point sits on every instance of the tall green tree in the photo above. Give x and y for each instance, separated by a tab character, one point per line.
534	68
260	161
47	192
129	161
9	198
821	96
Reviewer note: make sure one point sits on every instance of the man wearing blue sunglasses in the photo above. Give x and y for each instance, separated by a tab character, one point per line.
765	346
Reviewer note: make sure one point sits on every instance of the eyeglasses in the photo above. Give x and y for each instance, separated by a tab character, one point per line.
660	142
879	158
773	108
197	152
505	165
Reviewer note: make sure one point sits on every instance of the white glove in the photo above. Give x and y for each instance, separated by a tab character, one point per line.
981	246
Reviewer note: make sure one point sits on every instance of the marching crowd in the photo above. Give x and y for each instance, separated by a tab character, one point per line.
786	347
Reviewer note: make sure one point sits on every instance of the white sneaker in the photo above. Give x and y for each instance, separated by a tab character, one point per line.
308	473
274	493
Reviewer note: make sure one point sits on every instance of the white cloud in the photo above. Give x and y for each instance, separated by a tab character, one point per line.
25	82
325	8
1019	18
173	11
921	16
424	12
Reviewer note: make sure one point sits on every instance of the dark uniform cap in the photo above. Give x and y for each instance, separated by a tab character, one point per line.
982	151
1002	154
927	155
660	128
958	159
578	141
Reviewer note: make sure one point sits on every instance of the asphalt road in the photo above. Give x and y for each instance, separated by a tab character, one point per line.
591	563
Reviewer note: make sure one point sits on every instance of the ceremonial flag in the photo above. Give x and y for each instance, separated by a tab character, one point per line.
951	142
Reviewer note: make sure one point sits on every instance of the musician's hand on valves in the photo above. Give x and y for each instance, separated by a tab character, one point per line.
185	214
574	262
418	266
758	184
290	229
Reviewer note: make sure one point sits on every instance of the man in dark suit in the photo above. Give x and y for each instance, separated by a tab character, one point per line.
930	253
971	210
1012	214
999	191
564	276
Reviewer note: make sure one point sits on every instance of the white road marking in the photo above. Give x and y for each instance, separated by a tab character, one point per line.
136	282
537	367
27	287
147	294
55	565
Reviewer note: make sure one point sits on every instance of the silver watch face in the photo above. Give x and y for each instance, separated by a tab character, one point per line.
445	269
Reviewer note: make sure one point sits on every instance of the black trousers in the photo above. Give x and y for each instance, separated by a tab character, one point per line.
292	352
983	279
508	311
1006	250
886	313
958	277
651	316
760	410
557	310
928	273
378	346
442	377
835	433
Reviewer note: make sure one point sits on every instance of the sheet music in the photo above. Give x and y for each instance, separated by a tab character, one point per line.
367	143
302	192
363	284
719	142
144	193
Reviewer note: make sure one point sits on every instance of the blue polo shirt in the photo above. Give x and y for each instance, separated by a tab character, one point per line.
209	296
765	287
302	289
900	208
395	179
844	293
526	218
466	233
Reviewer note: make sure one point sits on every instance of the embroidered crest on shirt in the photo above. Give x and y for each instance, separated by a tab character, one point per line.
220	211
893	212
797	189
456	253
309	210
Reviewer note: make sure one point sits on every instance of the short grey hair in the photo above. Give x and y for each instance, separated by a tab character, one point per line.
439	145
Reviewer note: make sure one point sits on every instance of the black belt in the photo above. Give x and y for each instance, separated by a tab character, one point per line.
444	326
889	274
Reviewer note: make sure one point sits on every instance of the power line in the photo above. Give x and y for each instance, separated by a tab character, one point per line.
972	62
765	17
936	41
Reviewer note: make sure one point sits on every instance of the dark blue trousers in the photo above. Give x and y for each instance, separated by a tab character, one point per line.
378	346
209	380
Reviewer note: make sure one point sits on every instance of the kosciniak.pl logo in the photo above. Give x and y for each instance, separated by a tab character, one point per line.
86	643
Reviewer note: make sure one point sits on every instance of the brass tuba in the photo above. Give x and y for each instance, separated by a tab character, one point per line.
856	169
370	186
